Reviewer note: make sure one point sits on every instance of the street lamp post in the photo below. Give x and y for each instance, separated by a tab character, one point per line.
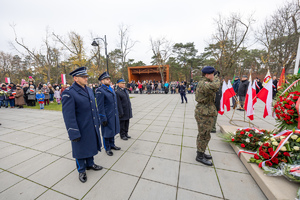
105	45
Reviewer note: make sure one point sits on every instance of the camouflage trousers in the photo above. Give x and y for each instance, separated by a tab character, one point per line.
205	124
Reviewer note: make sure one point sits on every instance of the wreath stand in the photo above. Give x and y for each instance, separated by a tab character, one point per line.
231	121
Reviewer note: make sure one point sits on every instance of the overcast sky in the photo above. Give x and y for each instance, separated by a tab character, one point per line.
177	20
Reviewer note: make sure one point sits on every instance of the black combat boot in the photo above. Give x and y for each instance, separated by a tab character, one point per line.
207	156
201	158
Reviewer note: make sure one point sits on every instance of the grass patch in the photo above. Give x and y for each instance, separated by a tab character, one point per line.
52	106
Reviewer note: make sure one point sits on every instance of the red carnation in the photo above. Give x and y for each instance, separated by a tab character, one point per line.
266	144
232	139
269	163
248	129
250	135
242	132
256	157
242	145
266	156
295	97
275	160
286	154
260	165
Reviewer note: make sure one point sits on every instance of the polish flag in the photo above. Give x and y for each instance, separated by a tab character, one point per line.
281	79
249	100
63	79
265	94
254	85
7	80
227	93
266	79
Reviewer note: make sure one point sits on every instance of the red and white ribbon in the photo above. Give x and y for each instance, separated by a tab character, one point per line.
285	133
290	86
253	128
247	152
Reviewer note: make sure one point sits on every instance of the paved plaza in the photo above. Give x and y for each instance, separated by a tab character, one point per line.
158	162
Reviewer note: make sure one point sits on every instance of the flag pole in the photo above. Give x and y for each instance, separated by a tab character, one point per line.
297	58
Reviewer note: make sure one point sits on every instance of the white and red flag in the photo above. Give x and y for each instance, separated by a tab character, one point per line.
63	79
7	80
249	100
227	93
265	94
266	79
254	86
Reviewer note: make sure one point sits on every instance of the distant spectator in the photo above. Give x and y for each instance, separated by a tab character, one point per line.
45	90
57	95
40	98
51	93
31	95
243	91
19	97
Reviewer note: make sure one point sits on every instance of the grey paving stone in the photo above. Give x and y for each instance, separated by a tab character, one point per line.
189	141
106	161
172	124
17	158
219	145
48	144
149	190
228	161
4	130
71	185
158	129
170	139
7	180
61	149
188	155
247	188
54	172
140	127
16	137
50	195
23	190
190	132
150	136
124	144
146	121
168	151
142	147
109	188
34	141
173	130
159	123
186	194
4	144
199	178
162	170
33	164
131	163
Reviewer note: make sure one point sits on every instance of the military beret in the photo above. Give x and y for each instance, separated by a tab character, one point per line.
121	81
81	71
103	76
208	70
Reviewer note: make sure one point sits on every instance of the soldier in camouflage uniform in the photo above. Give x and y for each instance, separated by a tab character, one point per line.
206	110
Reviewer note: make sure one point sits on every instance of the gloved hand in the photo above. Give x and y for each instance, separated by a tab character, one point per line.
104	123
76	140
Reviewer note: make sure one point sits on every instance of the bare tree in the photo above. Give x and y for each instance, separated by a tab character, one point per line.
280	35
125	45
162	50
229	37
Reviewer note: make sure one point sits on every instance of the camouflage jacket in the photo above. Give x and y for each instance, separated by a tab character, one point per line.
205	96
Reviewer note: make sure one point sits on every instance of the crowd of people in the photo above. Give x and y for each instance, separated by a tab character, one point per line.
29	94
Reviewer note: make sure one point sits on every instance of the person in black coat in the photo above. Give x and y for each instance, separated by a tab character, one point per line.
217	104
82	122
235	87
243	91
124	108
274	86
181	90
108	112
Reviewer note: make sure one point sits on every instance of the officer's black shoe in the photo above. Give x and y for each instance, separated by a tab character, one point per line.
109	152
201	158
181	102
82	177
127	135
207	156
123	137
94	167
116	148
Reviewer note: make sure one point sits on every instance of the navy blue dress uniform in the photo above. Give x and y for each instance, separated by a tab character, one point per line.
125	111
82	122
182	93
109	116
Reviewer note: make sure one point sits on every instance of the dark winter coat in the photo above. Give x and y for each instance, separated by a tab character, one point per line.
236	85
243	88
124	104
82	120
218	98
181	89
108	111
19	101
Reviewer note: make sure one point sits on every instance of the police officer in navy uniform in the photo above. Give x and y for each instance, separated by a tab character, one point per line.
124	108
82	122
108	112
